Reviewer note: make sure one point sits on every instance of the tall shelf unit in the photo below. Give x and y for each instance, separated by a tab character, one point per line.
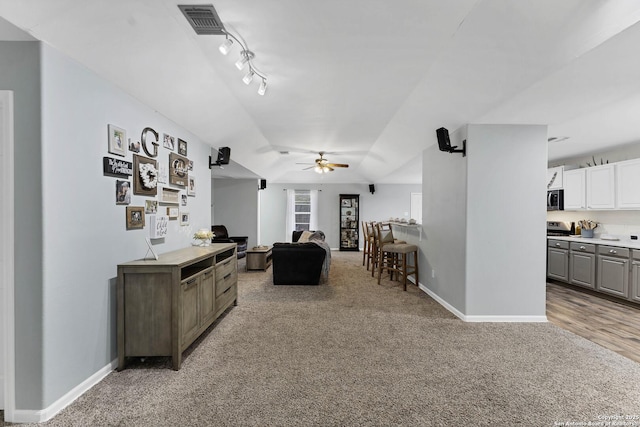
349	220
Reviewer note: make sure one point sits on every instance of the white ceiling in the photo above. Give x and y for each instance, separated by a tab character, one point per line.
368	81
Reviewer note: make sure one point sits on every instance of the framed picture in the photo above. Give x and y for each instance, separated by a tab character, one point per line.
169	142
172	212
178	170
135	217
183	198
117	140
163	173
134	146
158	226
150	206
145	176
182	147
346	203
123	192
190	165
184	218
169	196
191	188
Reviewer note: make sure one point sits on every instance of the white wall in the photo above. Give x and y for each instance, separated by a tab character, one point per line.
71	234
20	72
85	235
444	213
235	206
506	228
475	209
389	200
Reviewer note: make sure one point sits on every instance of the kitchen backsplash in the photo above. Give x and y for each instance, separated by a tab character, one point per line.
618	223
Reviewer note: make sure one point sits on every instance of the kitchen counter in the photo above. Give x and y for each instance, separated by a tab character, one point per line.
622	243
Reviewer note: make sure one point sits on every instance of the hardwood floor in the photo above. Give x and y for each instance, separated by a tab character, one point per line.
611	324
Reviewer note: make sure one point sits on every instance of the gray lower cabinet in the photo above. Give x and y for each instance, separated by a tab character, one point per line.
613	270
164	305
558	260
582	264
634	294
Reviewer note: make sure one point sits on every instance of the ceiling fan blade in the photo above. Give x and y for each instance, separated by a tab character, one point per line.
338	165
310	167
307	163
329	167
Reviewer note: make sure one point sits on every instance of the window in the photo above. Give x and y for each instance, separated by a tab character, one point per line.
302	211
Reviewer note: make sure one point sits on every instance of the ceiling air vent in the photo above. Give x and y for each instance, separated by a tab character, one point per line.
203	18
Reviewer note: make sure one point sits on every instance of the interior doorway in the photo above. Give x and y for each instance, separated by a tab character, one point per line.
7	338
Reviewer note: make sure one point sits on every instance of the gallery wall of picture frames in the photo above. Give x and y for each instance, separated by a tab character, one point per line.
140	175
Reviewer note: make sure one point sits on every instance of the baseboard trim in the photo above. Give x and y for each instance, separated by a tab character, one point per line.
506	319
39	416
442	302
481	319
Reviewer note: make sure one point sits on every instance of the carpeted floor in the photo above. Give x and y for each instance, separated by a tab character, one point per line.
353	353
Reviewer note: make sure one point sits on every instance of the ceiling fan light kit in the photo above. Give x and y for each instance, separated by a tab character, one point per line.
322	165
205	20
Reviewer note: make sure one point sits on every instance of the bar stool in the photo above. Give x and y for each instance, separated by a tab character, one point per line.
385	237
393	258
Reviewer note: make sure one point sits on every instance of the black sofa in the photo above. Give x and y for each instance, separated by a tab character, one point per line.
297	263
222	236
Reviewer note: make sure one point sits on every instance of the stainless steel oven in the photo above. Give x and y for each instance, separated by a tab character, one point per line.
555	200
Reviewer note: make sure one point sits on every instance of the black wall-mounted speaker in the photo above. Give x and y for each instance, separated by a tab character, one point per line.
263	184
372	188
224	155
443	139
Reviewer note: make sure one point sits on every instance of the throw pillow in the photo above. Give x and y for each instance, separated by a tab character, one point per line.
304	237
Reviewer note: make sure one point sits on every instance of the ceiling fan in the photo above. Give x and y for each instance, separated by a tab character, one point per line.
322	165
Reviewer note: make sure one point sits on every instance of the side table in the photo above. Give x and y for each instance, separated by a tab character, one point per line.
259	258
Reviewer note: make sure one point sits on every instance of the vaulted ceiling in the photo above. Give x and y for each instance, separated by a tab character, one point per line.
367	81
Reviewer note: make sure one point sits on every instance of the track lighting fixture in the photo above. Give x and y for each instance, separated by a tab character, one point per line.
246	59
205	20
225	47
263	87
247	79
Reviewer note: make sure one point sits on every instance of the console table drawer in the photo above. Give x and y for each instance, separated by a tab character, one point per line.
227	295
223	283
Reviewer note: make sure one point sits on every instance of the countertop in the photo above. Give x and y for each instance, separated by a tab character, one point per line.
622	243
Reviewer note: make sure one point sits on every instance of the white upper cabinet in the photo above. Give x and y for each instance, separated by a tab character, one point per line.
554	178
600	187
575	189
628	184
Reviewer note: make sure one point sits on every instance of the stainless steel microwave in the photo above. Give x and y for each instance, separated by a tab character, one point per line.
555	200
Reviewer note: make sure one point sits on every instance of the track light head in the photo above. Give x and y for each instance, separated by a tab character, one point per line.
245	56
263	87
225	47
247	79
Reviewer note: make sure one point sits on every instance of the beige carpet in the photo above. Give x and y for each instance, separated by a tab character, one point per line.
353	353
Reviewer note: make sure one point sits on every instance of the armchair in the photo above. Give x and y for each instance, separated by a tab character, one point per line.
222	236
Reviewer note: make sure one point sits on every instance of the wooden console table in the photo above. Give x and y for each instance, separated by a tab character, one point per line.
259	258
163	305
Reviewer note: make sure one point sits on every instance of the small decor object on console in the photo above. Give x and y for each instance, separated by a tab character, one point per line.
204	236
